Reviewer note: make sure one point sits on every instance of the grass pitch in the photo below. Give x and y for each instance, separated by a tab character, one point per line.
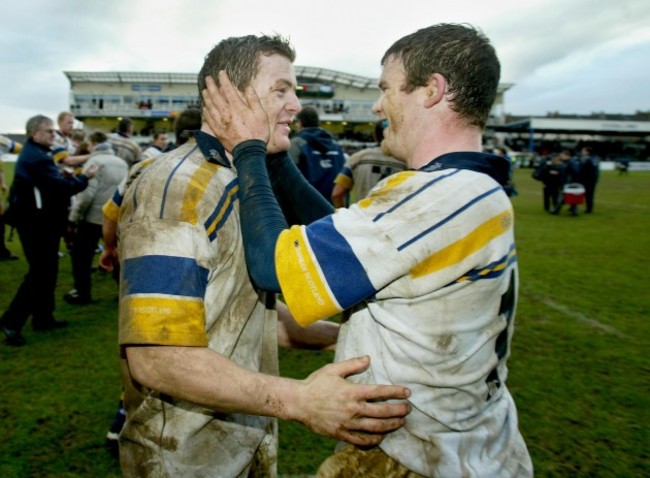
579	369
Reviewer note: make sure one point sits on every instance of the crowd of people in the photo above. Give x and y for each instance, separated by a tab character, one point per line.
569	180
411	241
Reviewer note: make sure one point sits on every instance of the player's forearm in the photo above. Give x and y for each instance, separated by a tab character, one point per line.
202	376
109	233
324	401
260	215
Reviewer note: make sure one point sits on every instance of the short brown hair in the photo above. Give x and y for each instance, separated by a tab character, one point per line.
239	57
308	117
460	53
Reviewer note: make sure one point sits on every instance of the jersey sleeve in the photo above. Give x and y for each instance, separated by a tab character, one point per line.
413	223
162	284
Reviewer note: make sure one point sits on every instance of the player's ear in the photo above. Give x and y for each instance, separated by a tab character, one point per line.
435	90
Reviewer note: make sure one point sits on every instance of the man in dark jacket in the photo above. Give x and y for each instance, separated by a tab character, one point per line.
590	172
314	150
554	176
40	197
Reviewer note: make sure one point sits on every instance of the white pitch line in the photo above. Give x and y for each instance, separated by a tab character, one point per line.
581	317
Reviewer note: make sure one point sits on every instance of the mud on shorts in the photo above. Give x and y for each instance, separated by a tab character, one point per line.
353	462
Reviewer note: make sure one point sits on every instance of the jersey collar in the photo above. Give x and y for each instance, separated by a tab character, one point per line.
497	167
211	148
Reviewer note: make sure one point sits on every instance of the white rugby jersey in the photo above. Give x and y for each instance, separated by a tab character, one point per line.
184	283
365	168
432	255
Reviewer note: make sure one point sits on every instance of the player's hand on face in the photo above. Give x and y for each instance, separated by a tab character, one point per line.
233	118
358	414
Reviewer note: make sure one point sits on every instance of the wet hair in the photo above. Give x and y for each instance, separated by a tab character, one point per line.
308	117
460	53
34	124
239	57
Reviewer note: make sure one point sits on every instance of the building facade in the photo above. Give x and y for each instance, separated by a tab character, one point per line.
152	100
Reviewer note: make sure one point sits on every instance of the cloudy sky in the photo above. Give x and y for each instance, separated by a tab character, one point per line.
571	56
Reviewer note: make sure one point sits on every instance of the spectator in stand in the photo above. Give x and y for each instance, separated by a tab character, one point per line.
7	145
86	214
158	144
589	175
363	170
124	146
40	198
316	153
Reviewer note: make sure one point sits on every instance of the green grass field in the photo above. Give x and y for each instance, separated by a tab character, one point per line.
579	369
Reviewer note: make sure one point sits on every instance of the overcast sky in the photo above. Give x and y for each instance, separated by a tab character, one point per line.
571	56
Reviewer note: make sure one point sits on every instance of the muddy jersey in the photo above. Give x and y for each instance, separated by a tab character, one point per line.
364	169
184	282
429	261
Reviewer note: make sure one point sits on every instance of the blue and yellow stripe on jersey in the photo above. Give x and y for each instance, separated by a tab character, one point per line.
492	270
465	246
305	257
344	178
222	212
163	300
389	185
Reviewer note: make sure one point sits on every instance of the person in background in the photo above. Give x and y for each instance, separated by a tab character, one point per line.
318	156
363	170
158	144
623	166
86	214
589	175
572	169
552	174
124	146
7	145
509	188
66	142
63	135
40	198
198	342
427	261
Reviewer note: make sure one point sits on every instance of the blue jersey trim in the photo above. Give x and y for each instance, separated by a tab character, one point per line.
344	273
167	183
224	207
169	275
